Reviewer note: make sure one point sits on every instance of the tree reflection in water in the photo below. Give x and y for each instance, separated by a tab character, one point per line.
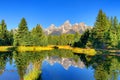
24	59
4	58
105	67
29	63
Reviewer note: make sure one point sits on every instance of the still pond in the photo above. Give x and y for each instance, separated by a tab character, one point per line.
58	65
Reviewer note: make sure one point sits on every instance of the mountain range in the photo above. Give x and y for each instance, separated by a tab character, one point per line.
66	28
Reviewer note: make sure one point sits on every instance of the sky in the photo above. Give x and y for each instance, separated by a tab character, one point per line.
47	12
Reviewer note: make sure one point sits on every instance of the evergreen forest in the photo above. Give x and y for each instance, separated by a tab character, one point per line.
105	34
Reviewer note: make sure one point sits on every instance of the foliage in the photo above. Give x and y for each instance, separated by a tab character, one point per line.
24	59
53	40
3	61
22	34
105	67
33	75
5	35
104	35
100	28
77	42
84	38
38	37
63	39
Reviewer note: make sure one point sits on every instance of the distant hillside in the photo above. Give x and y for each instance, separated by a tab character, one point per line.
67	28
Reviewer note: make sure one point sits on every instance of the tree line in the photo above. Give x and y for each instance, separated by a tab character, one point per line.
22	36
104	34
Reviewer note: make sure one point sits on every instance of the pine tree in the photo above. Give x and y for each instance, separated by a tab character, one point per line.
100	28
10	38
4	34
38	37
114	32
22	34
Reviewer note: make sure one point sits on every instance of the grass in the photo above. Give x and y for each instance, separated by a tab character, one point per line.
33	48
49	47
5	48
64	47
90	52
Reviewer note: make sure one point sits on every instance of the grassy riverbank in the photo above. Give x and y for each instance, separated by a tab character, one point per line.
50	47
5	48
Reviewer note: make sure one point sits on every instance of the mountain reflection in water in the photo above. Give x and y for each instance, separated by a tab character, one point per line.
58	65
65	62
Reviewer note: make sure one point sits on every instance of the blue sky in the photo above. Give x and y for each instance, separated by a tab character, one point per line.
47	12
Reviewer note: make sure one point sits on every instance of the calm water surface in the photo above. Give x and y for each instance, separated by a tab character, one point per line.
58	65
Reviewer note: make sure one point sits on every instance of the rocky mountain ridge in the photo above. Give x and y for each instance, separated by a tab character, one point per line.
67	28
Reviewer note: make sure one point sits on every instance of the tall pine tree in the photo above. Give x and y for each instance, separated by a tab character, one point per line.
100	28
21	37
4	34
